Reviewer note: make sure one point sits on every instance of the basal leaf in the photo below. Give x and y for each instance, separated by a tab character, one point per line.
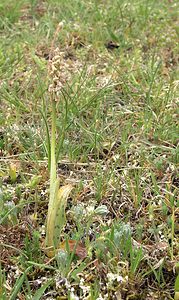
56	216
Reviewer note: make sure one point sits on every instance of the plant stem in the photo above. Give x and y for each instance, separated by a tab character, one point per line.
53	171
172	231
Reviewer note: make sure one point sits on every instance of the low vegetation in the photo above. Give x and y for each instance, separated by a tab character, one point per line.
88	97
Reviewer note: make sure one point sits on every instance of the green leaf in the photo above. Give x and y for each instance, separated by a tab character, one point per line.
12	173
34	181
177	284
39	293
41	63
176	296
60	218
56	215
17	287
112	34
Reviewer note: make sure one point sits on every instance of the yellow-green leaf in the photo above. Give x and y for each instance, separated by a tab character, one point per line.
12	172
56	215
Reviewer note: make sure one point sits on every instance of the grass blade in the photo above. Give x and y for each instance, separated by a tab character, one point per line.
40	292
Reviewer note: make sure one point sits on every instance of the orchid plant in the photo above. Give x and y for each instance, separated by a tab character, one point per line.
58	196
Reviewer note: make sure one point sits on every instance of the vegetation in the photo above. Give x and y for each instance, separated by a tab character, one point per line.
88	97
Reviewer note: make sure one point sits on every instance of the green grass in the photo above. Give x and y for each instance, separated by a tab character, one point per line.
117	143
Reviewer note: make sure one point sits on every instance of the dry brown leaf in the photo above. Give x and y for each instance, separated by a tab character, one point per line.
75	246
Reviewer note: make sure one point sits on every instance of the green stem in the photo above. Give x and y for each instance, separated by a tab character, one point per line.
53	172
172	231
54	184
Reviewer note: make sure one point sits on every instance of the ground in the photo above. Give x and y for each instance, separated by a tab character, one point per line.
113	67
